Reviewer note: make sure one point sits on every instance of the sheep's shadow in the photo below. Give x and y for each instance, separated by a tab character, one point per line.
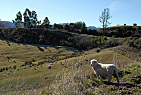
110	83
127	85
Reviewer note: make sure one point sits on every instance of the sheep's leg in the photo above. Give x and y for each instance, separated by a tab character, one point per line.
116	75
110	77
117	79
99	78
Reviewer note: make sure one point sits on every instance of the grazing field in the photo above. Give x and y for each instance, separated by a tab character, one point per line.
24	70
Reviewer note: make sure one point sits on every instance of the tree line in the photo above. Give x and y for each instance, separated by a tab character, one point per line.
30	20
78	26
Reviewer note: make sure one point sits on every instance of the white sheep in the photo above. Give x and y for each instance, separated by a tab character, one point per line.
103	70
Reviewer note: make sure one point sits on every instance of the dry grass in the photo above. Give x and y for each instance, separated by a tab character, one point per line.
27	75
65	78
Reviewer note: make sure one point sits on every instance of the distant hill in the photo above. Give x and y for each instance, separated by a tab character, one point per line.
92	27
89	27
64	23
8	23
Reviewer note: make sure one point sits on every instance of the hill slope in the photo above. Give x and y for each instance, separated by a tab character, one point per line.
64	77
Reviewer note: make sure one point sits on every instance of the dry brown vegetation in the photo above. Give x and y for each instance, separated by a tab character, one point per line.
64	77
45	69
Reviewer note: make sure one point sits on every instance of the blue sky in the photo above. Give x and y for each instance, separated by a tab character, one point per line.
62	11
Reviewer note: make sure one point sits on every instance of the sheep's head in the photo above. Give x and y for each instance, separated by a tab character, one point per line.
93	62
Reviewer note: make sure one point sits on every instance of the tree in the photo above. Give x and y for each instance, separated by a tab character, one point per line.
71	26
104	19
30	19
78	25
26	18
54	25
18	19
33	19
66	27
46	22
83	27
59	26
38	24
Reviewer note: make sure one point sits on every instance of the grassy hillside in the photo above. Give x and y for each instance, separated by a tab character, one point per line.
64	77
26	52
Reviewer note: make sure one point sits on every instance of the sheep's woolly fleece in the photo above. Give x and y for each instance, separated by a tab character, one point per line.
103	70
